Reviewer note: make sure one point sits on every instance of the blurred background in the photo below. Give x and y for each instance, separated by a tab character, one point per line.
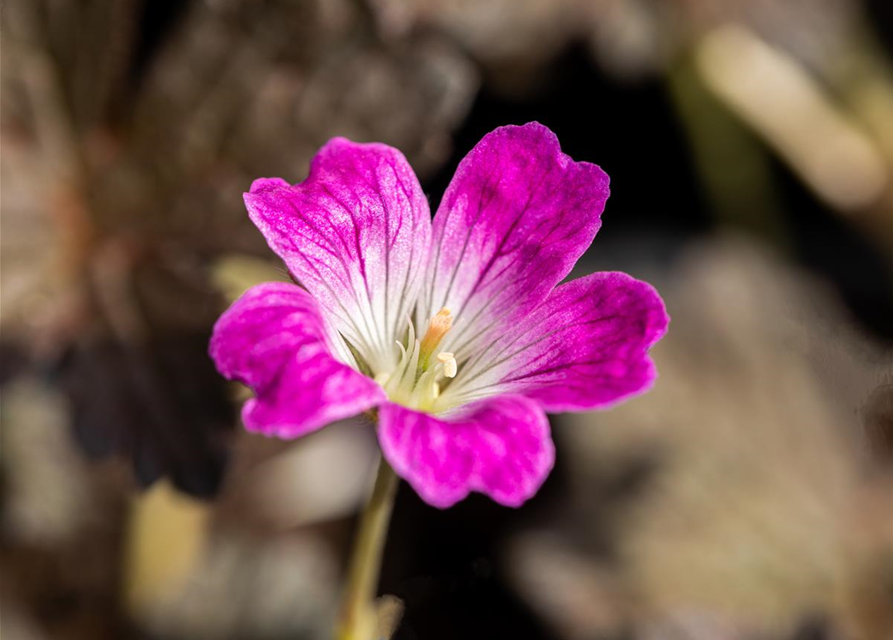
750	146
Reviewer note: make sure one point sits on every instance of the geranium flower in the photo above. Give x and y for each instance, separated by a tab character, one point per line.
456	331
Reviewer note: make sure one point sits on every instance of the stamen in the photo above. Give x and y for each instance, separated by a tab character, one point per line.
448	360
416	380
437	329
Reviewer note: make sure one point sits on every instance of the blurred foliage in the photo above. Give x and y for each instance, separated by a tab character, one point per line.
751	495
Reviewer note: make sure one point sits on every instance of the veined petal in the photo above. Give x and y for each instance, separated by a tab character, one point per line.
273	339
356	233
585	347
514	220
501	447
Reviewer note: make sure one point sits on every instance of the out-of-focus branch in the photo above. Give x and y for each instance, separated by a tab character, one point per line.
732	165
863	80
775	96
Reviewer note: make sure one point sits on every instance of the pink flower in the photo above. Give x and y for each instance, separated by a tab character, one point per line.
456	330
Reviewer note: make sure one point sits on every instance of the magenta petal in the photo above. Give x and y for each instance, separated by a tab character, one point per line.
514	220
500	447
273	340
585	347
356	233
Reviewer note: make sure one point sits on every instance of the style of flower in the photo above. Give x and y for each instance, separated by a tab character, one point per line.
455	331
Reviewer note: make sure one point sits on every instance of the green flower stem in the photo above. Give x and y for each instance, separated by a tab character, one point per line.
358	619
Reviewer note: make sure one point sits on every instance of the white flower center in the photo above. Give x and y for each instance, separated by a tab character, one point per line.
421	371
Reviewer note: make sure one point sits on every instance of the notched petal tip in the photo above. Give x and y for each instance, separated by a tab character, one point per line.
513	222
586	347
538	135
500	447
266	184
356	234
273	340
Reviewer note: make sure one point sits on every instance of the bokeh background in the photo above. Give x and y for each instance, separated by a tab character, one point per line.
750	146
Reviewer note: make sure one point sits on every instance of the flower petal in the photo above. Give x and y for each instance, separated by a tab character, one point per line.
585	347
500	447
514	220
356	233
273	340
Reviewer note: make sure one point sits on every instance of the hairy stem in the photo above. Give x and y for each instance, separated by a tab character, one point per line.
358	620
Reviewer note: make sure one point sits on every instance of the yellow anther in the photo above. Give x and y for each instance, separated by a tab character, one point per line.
437	329
450	366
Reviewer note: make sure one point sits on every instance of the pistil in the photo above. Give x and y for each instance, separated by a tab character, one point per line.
438	327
